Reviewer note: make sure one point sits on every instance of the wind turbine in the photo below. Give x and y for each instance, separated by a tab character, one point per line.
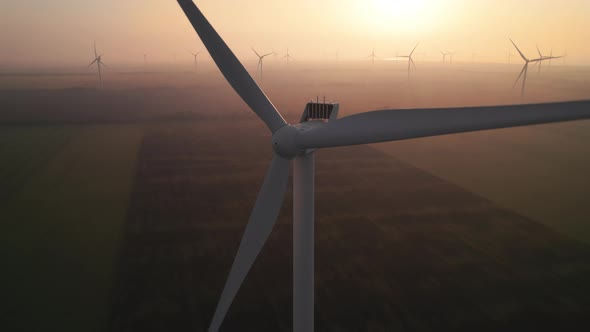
195	56
320	128
99	63
547	57
144	59
372	56
444	56
410	60
526	65
260	58
287	56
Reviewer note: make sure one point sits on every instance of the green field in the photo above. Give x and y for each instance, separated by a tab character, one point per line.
65	192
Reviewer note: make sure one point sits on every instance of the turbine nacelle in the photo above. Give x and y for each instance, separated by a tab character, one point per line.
315	114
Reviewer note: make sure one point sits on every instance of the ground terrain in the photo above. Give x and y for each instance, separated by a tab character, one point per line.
122	208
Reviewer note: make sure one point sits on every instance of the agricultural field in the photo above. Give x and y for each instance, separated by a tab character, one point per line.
65	192
396	248
122	208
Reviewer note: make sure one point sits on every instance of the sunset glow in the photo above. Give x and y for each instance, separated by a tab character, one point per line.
62	31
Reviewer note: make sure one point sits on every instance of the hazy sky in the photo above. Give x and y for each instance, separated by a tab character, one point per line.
57	32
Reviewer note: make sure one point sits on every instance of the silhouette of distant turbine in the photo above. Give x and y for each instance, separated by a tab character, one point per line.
99	63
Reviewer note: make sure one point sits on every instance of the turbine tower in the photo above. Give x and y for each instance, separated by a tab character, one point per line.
410	60
320	128
99	63
287	56
260	58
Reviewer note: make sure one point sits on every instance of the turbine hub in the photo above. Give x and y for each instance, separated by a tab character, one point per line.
283	142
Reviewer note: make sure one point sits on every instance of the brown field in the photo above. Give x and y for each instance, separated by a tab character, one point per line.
479	231
397	249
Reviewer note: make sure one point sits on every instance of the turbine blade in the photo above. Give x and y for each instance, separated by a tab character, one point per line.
539	51
414	49
258	55
519	52
263	217
95	53
519	75
231	68
392	125
92	62
102	63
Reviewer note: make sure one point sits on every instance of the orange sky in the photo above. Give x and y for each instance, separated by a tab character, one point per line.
59	32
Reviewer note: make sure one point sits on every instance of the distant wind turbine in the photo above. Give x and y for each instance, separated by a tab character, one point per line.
195	57
99	63
410	60
145	59
287	56
526	65
260	58
444	55
372	56
320	128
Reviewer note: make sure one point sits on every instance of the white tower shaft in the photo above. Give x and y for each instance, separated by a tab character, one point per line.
303	243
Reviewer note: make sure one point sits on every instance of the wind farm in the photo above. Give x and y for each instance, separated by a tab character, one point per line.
339	195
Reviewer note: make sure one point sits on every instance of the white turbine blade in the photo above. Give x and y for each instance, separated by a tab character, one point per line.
539	51
263	217
102	63
232	69
92	62
392	125
519	52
